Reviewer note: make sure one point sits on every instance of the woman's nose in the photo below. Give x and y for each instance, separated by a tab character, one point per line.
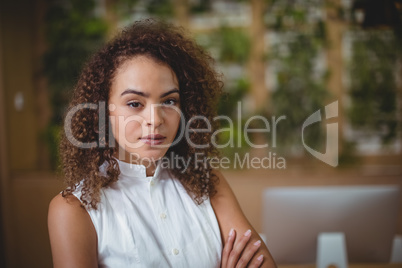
154	116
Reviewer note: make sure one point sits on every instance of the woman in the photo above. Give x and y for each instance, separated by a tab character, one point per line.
137	193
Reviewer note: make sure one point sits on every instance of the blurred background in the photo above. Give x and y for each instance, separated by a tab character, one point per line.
278	58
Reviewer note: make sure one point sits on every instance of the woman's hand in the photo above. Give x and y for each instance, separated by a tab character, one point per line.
240	254
240	251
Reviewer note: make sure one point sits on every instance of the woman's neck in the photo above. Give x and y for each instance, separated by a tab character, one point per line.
150	166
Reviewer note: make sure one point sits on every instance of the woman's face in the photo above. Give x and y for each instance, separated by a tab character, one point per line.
144	110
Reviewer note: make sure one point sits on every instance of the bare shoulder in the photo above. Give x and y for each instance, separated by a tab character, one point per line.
221	178
66	210
224	201
71	232
63	205
217	173
222	187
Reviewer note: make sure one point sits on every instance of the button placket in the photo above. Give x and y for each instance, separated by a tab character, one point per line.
175	251
170	242
163	215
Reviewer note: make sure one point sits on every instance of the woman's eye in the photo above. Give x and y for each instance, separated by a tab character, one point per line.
134	104
170	102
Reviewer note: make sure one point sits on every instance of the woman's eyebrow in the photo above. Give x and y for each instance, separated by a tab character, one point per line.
175	90
133	91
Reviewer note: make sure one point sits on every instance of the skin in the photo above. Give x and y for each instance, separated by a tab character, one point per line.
72	235
239	250
144	100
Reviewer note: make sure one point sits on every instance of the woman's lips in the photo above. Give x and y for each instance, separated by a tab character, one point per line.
154	139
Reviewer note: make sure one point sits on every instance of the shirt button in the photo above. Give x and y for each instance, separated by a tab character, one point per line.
163	216
175	251
152	183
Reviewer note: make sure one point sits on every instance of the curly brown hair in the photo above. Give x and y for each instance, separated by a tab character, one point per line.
200	86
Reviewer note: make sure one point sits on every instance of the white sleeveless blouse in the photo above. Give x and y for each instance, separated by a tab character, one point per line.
152	222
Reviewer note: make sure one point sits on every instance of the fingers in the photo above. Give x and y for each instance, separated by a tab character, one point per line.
256	262
247	254
228	248
242	254
238	249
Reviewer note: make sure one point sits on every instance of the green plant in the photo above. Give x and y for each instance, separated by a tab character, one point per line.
161	8
228	107
234	45
301	87
73	32
373	88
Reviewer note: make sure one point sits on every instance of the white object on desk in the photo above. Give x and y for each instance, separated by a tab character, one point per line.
293	217
263	237
331	250
396	256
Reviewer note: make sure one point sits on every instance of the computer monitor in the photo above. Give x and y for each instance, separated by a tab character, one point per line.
293	217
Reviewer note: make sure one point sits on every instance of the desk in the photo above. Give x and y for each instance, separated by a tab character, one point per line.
387	265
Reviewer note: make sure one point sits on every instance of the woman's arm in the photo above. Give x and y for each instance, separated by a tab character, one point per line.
229	215
72	234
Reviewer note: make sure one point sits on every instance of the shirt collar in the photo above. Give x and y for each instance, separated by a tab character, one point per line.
137	171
